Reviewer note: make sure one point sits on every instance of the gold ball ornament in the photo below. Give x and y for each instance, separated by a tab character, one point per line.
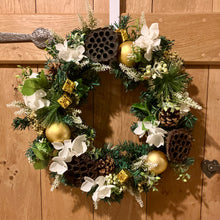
124	50
58	132
157	157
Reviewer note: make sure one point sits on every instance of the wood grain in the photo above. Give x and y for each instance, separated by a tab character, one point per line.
19	182
185	6
200	43
61	7
17	7
180	200
211	190
138	6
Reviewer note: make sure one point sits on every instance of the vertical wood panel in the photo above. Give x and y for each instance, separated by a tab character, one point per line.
61	6
211	189
19	182
112	121
64	202
186	6
17	7
138	6
182	200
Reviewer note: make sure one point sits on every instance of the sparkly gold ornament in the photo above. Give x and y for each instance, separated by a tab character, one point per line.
123	176
159	158
124	50
69	86
58	132
64	101
123	33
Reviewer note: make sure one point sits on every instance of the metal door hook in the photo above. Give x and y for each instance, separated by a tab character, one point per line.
38	37
210	167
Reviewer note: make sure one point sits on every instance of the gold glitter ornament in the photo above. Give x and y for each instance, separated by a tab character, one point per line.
123	33
123	176
58	132
69	86
64	101
125	49
159	158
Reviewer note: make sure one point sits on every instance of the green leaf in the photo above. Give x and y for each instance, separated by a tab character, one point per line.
39	154
41	164
29	87
140	106
32	85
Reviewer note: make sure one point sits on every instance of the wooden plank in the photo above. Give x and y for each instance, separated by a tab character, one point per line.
180	200
77	206
138	6
65	202
200	43
178	6
17	7
211	190
19	182
216	6
61	7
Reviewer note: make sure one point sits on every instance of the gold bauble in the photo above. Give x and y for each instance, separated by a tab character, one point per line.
157	157
58	132
124	50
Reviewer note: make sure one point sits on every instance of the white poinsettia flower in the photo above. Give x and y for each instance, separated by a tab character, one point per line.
67	150
148	40
139	130
102	192
58	166
88	184
79	145
155	134
155	139
60	145
36	101
70	54
33	75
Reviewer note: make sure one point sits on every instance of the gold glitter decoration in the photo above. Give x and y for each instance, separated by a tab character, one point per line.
64	101
69	86
123	176
124	34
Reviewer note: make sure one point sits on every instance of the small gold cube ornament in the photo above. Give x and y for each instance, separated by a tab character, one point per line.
64	100
123	33
123	176
69	86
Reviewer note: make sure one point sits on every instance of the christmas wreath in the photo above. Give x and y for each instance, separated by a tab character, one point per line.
65	145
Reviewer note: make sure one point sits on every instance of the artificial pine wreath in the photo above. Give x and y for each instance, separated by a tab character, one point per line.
64	144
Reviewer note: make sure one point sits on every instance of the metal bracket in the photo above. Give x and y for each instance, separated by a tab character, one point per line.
38	37
210	168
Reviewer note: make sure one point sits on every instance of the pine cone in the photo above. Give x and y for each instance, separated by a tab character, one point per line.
169	118
102	45
78	168
178	144
106	166
53	67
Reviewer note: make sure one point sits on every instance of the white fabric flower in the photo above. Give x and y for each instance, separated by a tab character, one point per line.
70	54
101	192
33	75
148	40
155	135
68	149
36	101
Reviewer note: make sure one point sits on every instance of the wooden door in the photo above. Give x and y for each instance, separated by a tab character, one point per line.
25	192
